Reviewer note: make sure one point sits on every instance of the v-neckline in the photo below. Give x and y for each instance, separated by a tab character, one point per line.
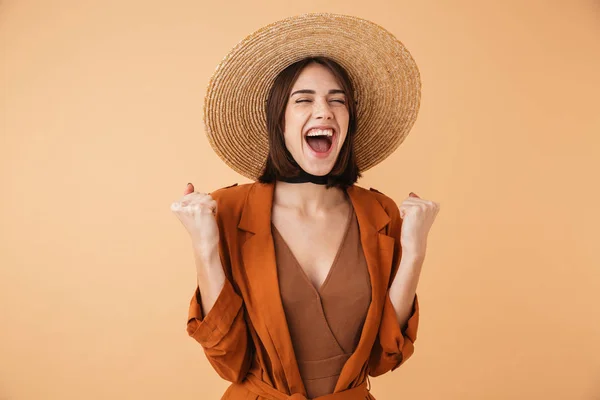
319	290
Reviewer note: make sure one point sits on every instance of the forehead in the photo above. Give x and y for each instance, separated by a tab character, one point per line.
315	75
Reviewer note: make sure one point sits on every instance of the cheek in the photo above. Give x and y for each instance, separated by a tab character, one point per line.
342	116
291	140
292	136
343	121
294	122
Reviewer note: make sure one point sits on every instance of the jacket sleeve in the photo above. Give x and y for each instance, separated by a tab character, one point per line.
394	343
222	333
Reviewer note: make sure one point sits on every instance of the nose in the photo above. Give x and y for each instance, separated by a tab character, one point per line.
322	110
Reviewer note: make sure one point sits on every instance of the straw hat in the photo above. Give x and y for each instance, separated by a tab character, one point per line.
384	75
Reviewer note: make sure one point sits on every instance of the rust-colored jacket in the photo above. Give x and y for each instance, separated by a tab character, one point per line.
245	335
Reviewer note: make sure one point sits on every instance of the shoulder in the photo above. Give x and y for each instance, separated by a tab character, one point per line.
231	195
391	209
232	191
230	202
388	204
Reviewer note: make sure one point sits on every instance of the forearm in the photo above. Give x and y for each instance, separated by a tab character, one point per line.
404	286
210	275
216	319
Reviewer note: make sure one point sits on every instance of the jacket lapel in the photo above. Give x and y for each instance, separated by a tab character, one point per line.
379	250
258	254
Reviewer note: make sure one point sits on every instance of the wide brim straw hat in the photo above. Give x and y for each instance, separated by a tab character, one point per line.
384	75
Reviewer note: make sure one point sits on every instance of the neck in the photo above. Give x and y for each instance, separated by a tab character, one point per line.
308	198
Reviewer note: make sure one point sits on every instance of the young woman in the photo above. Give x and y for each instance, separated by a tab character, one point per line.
306	281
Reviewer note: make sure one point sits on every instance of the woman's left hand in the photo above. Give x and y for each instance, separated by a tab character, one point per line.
417	217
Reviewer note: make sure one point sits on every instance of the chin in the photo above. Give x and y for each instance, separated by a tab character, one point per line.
315	166
318	171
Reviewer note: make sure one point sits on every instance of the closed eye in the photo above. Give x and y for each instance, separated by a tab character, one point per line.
337	100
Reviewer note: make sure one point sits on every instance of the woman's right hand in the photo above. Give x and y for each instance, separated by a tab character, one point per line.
197	211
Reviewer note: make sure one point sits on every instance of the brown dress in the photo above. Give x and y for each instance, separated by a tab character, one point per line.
325	324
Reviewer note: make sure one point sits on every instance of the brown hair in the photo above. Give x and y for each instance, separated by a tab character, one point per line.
280	162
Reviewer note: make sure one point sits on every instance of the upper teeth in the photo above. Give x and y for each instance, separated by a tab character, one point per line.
320	132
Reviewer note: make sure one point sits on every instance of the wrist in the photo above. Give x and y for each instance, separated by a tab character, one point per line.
206	254
413	256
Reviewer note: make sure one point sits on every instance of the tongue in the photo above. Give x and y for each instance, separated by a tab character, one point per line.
320	144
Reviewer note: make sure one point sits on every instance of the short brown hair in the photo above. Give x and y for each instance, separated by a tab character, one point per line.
280	163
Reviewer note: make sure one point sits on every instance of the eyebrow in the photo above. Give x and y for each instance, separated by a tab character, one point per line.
309	91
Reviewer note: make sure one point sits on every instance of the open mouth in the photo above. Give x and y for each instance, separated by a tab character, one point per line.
320	140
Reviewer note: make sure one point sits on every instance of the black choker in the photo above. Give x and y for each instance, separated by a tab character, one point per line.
304	177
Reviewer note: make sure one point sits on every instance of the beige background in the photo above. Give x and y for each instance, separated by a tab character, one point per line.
100	130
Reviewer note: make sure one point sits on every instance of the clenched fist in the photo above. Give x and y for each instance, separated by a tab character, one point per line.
417	217
197	211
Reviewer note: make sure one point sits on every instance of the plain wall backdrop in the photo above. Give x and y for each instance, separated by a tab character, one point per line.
101	128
